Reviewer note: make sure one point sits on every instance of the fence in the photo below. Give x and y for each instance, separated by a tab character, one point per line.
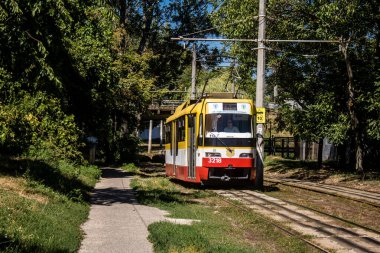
290	147
287	147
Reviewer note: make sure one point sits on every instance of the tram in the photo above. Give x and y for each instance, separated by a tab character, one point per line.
211	139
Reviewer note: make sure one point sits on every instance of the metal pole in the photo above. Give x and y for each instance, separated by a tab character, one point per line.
193	73
233	80
287	148
282	148
150	136
161	132
260	86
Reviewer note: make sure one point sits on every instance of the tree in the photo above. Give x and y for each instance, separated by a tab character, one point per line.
54	54
311	74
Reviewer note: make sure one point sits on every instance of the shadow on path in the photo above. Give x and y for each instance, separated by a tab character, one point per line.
114	173
114	195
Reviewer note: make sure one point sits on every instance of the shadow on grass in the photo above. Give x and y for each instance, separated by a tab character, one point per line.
43	173
284	165
309	170
220	185
109	196
17	245
157	196
147	170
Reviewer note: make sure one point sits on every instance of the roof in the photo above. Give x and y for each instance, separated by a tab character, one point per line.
191	106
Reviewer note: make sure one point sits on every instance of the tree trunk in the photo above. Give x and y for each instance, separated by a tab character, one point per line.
352	111
148	7
123	19
296	148
320	151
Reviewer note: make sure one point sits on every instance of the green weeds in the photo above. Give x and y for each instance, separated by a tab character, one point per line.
43	204
223	227
131	168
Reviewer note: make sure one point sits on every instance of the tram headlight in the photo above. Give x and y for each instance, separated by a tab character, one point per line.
213	154
246	155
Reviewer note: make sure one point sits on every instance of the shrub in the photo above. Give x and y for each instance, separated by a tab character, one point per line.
36	125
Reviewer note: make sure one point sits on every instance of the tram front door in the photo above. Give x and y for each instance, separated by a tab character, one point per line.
191	159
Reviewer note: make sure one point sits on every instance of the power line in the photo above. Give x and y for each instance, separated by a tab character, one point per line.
214	39
299	54
216	27
254	40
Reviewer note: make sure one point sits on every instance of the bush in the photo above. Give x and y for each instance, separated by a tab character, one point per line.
36	125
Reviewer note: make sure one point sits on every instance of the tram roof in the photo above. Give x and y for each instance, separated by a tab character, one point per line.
190	106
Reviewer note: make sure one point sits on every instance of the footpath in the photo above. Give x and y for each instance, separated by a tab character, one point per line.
117	223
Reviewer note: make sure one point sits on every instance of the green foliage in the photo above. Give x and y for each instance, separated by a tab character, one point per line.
374	108
31	212
38	123
63	77
94	62
313	77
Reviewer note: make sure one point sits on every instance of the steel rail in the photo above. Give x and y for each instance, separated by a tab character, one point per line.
325	231
366	194
373	201
343	229
282	228
329	215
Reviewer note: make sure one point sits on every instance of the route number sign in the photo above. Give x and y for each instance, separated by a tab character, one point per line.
260	115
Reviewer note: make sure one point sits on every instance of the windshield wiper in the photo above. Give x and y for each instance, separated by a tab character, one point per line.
227	147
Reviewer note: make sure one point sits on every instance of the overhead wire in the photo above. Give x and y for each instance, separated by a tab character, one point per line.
216	27
300	54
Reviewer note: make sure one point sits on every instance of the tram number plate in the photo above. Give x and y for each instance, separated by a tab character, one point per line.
214	160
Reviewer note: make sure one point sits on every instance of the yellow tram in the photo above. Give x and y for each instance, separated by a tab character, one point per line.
211	139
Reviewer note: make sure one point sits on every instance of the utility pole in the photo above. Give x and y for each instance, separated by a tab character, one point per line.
193	74
260	87
150	136
233	79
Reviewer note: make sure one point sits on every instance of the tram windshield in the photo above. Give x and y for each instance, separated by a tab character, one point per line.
228	125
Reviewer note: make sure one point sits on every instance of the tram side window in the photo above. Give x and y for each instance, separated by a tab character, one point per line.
181	129
200	133
168	136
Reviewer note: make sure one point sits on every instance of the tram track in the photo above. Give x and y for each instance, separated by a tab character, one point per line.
306	221
370	198
282	228
333	216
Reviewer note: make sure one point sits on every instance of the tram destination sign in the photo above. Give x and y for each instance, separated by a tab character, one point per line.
229	107
244	108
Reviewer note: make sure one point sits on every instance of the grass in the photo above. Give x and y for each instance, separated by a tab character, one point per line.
146	169
43	204
223	227
308	170
277	167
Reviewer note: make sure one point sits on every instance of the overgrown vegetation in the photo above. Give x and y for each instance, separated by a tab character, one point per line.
324	90
222	227
43	204
310	170
73	69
